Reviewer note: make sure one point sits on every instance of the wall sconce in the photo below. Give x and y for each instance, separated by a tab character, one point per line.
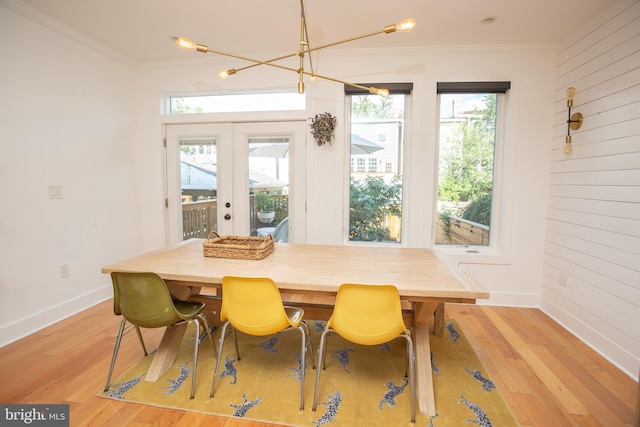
574	121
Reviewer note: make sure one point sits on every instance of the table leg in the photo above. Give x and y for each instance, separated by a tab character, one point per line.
167	351
438	320
423	313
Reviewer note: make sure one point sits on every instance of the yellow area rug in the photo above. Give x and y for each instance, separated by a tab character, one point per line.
362	385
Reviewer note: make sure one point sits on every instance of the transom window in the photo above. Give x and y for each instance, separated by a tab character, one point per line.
278	101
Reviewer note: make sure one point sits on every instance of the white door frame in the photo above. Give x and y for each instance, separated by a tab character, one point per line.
232	167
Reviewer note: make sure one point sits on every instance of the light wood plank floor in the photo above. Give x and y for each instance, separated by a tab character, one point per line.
547	376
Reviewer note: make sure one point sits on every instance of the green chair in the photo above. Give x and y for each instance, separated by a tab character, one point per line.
144	301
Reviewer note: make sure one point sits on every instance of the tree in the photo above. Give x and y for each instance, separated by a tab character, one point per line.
178	107
371	107
479	210
468	161
372	202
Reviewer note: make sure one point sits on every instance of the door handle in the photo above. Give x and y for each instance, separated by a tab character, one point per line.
227	217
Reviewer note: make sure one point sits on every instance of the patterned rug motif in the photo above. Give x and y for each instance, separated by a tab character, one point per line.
361	386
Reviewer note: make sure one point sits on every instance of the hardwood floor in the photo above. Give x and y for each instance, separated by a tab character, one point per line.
547	376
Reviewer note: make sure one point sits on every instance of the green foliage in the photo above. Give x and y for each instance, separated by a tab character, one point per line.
371	107
445	219
372	202
178	107
264	202
467	161
479	210
322	127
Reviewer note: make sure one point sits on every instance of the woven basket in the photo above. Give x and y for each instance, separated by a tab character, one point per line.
237	247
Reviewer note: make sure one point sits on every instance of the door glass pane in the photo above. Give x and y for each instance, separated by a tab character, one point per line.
466	167
199	187
269	187
377	140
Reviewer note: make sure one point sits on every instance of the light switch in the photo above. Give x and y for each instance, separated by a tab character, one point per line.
55	191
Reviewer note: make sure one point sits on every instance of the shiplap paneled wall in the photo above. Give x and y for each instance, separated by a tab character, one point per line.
591	280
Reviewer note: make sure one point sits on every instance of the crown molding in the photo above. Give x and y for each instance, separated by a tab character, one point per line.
68	32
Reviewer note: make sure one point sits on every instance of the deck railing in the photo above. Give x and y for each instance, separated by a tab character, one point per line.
458	231
199	218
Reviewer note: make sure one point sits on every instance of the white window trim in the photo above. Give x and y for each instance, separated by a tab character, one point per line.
406	200
499	249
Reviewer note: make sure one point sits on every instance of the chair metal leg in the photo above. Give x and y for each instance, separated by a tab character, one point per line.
144	348
116	347
303	363
196	346
320	367
412	374
219	356
205	326
309	345
235	340
208	331
324	355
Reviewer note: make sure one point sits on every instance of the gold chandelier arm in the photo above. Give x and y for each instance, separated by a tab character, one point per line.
370	89
305	48
405	26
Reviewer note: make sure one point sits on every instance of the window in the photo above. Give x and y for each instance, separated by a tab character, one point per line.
373	164
468	143
377	137
236	103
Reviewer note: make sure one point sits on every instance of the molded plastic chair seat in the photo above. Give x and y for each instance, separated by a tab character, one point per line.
253	305
143	300
368	315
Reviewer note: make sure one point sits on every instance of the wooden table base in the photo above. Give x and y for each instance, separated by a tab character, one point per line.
421	318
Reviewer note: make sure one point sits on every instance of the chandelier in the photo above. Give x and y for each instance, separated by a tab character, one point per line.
303	52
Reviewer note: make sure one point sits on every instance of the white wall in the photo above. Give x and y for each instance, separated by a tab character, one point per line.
66	114
592	238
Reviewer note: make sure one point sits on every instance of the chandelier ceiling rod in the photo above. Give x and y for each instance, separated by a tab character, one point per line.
305	48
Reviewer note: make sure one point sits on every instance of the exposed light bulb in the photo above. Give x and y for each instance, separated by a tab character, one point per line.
567	145
186	44
406	25
377	91
567	149
570	92
402	26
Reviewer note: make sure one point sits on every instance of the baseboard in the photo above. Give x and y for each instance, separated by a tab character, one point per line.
37	321
510	299
622	359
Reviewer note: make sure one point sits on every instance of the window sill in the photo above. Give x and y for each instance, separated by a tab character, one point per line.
475	255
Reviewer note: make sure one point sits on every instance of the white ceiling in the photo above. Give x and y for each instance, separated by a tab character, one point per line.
142	30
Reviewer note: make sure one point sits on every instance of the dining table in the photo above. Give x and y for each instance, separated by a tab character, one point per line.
425	278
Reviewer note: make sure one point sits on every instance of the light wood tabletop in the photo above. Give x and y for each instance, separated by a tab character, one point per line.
424	277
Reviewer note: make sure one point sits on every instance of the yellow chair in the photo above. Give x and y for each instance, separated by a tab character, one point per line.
367	315
143	300
253	305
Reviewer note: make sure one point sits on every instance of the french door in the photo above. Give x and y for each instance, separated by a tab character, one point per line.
216	171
